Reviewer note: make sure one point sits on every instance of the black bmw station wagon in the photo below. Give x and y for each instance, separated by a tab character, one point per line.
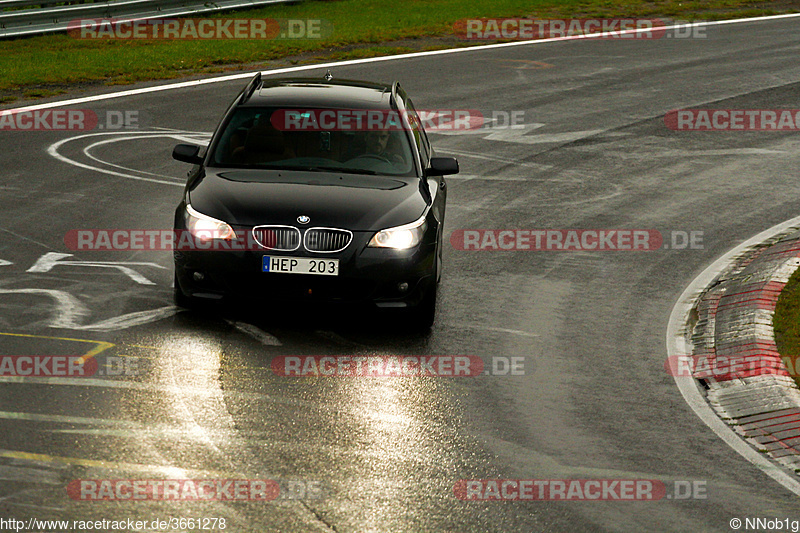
314	189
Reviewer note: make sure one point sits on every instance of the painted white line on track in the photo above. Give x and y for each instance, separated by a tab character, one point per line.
148	387
255	332
52	150
173	471
88	149
722	152
65	419
498	330
234	77
24	238
50	260
677	345
68	310
132	319
504	160
475	177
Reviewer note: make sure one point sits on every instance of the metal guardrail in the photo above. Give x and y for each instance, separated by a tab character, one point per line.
50	17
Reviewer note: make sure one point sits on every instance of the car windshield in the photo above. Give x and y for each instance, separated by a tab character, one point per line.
314	140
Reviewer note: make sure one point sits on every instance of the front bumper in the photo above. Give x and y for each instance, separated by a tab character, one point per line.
366	275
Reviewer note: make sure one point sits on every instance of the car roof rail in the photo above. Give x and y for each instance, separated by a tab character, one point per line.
251	88
393	97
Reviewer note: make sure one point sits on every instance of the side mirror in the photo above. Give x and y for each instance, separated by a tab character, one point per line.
187	153
442	166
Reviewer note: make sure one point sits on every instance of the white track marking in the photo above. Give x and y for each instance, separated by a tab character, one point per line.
152	387
24	238
53	259
64	419
234	77
677	345
519	135
132	319
257	333
617	189
471	177
88	149
506	160
180	136
499	330
68	309
516	136
494	133
68	312
3	262
52	150
112	465
705	153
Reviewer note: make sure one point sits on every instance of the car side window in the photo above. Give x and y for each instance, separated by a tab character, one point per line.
234	135
423	145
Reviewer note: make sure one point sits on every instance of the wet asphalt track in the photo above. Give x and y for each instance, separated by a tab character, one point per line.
200	400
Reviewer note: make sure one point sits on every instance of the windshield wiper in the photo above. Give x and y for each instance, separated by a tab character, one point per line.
310	168
323	168
343	170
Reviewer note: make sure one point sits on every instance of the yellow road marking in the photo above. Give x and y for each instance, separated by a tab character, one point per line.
101	345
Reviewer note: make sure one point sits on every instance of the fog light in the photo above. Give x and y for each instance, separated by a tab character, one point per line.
402	286
198	276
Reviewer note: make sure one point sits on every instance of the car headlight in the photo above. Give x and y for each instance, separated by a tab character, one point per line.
400	237
204	227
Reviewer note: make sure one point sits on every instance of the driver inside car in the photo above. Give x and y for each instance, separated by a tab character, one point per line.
379	143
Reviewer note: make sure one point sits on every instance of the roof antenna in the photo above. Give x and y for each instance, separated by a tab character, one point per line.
328	75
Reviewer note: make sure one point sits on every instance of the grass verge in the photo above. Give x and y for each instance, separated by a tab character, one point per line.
786	323
47	65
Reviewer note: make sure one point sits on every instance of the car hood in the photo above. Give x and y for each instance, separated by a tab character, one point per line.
337	200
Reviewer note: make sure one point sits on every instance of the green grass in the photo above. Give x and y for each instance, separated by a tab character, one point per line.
786	323
48	63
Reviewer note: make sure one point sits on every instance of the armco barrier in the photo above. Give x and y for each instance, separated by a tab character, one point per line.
19	18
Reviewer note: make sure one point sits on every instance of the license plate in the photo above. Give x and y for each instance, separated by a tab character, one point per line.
300	265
